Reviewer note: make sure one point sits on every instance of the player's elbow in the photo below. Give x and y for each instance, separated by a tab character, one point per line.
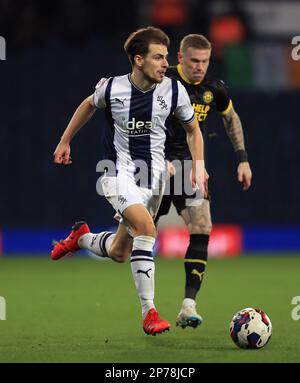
89	102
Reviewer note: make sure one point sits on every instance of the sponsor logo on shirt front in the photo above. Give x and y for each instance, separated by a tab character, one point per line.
138	128
201	111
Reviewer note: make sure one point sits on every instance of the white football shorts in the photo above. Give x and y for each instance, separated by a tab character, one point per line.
122	192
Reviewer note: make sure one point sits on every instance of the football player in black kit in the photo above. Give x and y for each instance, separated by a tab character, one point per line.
206	94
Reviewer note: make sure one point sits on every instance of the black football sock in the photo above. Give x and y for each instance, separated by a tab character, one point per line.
194	264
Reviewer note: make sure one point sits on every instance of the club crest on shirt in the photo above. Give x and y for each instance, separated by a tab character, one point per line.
207	97
162	103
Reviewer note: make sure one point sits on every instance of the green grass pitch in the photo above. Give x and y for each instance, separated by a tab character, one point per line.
81	310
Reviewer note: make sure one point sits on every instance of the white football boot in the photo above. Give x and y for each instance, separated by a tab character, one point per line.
188	315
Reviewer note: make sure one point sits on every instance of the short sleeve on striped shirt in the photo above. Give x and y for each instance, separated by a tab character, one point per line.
184	110
99	94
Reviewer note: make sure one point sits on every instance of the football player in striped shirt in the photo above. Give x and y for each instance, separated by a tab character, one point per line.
138	107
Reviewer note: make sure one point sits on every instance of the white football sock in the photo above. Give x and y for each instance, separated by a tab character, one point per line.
188	302
143	268
98	244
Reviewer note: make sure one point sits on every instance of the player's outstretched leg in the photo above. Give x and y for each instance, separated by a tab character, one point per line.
117	246
69	245
99	243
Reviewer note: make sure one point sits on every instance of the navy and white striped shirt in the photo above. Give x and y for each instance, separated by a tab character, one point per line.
137	120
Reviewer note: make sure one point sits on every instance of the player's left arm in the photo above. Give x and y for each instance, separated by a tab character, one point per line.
196	146
185	113
234	129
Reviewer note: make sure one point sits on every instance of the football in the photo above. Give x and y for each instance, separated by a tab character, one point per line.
250	328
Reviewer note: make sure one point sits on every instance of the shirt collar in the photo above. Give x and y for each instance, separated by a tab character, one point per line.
182	75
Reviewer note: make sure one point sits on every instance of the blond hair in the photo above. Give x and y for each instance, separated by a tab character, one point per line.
194	41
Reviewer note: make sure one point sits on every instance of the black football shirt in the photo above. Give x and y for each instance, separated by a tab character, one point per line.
208	95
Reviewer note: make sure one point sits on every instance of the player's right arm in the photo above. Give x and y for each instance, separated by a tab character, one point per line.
81	116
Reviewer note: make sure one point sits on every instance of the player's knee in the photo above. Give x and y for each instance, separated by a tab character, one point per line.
119	255
145	228
119	258
119	252
201	228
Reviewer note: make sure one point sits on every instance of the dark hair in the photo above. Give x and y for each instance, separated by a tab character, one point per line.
194	41
138	42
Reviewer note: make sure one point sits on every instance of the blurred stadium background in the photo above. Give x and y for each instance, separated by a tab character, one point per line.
56	52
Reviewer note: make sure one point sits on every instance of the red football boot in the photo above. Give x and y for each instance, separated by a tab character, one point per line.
69	245
153	325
